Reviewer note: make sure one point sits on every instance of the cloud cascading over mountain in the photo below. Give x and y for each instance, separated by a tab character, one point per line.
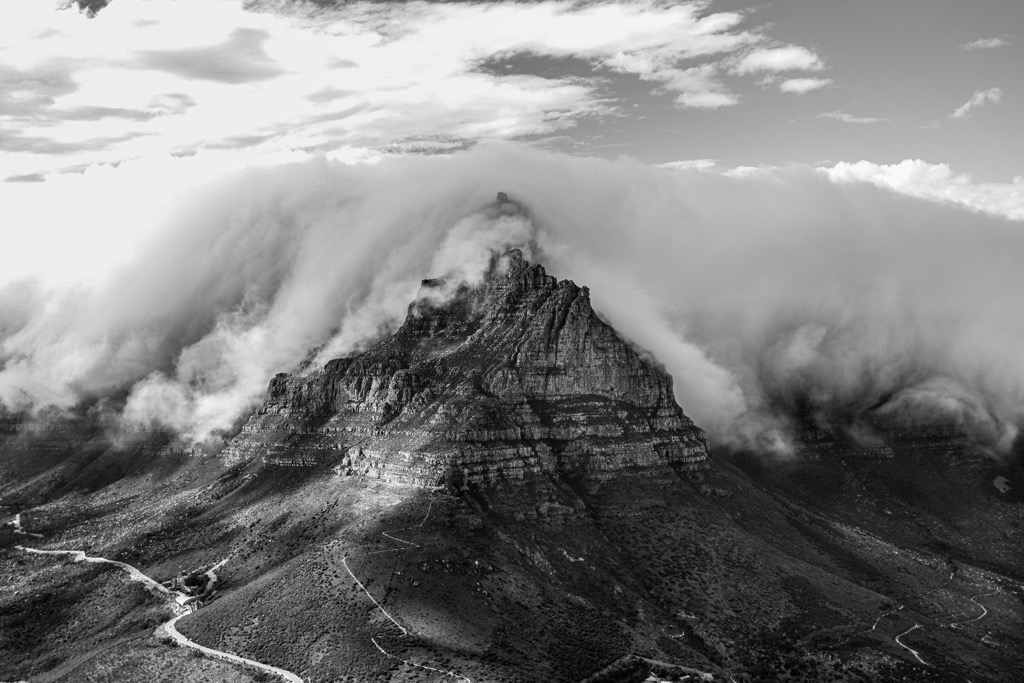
762	292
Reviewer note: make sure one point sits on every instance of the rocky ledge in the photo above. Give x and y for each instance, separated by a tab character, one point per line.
482	384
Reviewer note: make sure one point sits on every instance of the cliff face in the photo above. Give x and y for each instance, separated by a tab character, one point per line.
482	384
880	438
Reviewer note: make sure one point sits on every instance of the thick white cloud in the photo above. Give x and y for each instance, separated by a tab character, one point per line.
937	182
779	59
212	236
176	76
978	99
74	228
800	86
759	292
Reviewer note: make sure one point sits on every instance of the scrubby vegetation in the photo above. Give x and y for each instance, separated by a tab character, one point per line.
52	610
758	586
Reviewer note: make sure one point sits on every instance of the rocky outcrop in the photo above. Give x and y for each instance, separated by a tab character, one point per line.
876	437
482	384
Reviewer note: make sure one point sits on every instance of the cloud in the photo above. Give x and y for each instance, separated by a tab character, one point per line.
707	100
97	113
850	118
24	92
978	99
176	76
27	178
689	165
986	43
241	58
760	292
779	59
699	88
937	182
800	86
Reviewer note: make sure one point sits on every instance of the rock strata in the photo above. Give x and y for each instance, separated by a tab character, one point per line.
878	438
482	384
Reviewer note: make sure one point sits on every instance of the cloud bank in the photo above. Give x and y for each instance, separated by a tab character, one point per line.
766	293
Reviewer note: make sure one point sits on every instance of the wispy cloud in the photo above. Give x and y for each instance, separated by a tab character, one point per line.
240	58
699	87
175	76
28	178
850	118
986	43
799	86
689	165
779	59
978	99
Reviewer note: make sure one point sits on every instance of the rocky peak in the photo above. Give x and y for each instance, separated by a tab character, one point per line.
483	383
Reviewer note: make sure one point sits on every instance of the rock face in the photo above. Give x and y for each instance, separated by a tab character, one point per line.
482	384
880	438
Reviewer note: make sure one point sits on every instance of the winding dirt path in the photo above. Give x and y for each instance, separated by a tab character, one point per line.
409	545
135	574
879	619
182	611
211	573
984	610
952	573
173	632
907	647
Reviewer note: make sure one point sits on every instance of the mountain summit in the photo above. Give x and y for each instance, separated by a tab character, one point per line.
483	384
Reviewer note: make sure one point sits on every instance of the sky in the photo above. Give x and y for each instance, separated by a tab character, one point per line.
740	83
149	145
918	95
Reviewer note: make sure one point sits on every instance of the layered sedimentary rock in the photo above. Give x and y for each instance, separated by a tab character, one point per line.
876	437
45	437
513	376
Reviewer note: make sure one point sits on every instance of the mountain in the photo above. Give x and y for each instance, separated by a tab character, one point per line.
483	385
506	490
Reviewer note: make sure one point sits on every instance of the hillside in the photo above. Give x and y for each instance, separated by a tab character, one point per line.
505	490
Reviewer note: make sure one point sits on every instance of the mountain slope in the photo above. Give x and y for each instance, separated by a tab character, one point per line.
504	490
